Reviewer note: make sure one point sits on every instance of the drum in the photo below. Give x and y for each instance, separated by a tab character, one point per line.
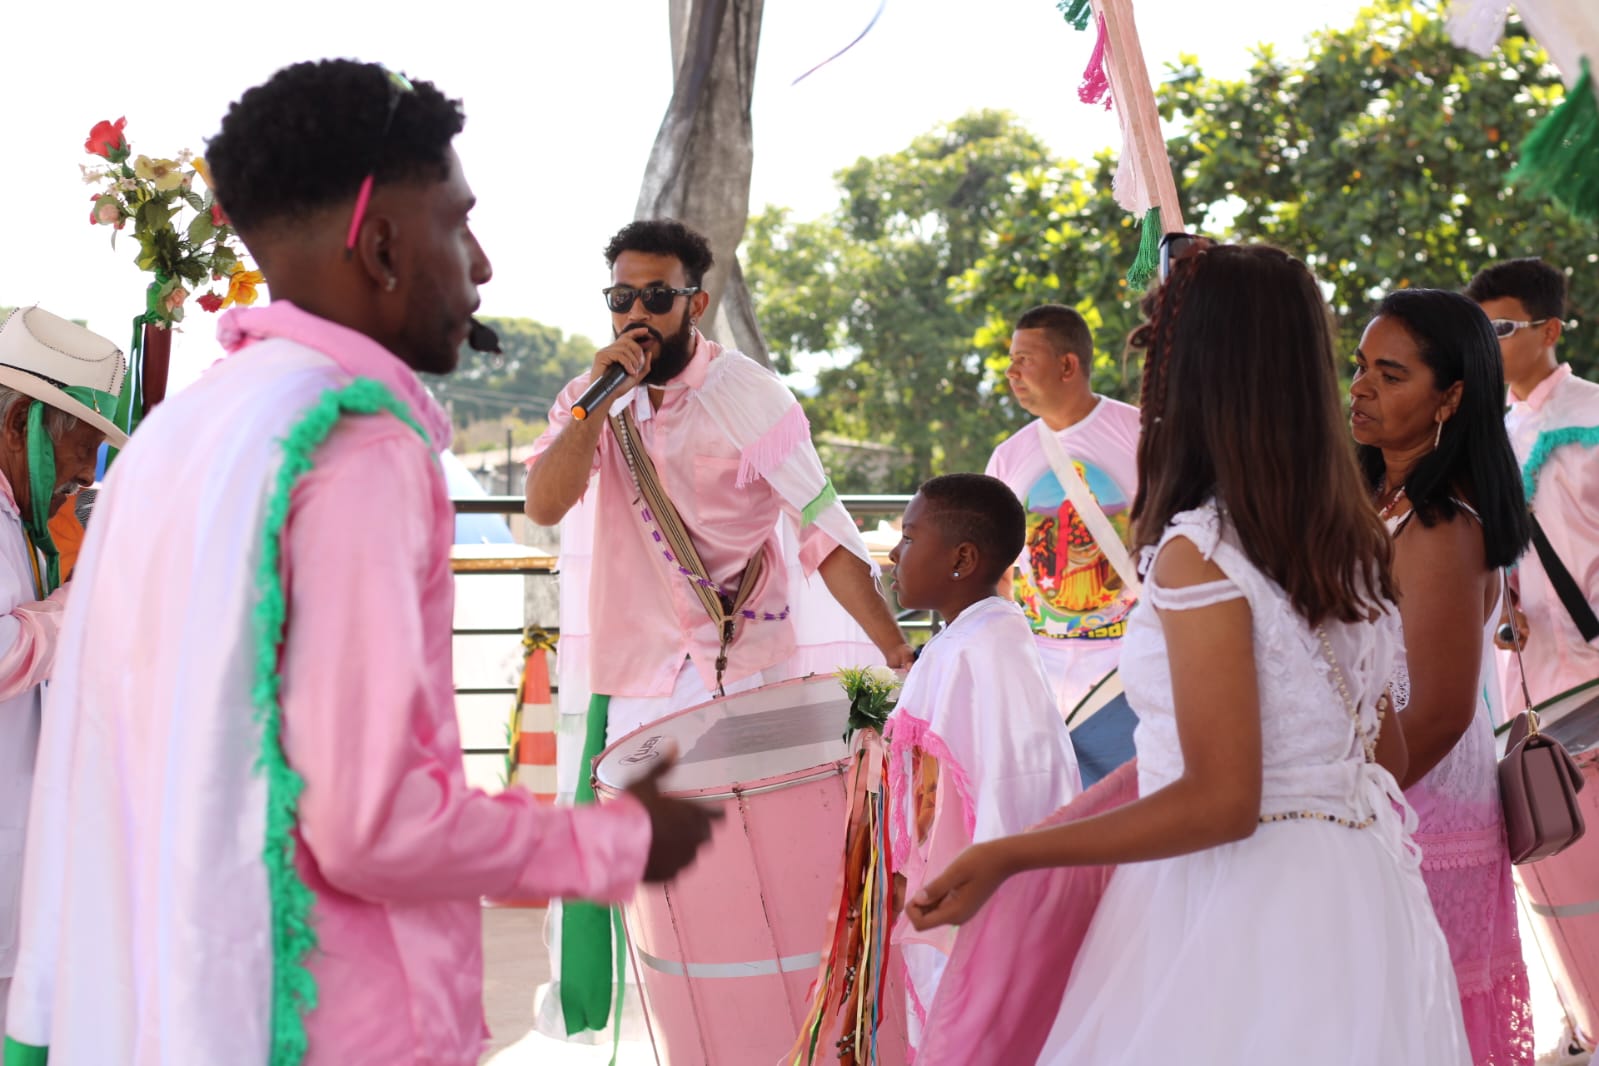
1562	891
1102	726
726	954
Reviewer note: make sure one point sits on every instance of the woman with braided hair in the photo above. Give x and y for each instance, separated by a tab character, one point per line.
1266	903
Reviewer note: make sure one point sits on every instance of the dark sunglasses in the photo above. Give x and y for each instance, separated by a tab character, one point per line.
658	299
398	86
1175	247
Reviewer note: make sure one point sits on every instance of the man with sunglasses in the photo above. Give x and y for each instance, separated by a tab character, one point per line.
709	495
264	848
1553	423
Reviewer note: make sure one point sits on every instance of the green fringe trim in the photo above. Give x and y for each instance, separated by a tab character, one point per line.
1560	158
823	501
293	936
1147	262
1077	12
1545	445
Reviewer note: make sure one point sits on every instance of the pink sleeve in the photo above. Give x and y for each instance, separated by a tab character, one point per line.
814	546
369	714
30	654
560	417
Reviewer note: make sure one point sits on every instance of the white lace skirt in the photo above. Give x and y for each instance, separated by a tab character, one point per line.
1308	943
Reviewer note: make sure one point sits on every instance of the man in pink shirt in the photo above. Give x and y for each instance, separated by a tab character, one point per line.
731	449
257	844
1553	424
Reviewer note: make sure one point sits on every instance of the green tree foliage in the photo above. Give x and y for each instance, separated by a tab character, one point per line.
872	282
520	383
1382	159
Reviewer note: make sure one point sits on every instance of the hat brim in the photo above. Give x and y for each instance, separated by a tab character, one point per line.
41	390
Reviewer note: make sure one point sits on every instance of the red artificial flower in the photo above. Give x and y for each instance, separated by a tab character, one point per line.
106	140
211	302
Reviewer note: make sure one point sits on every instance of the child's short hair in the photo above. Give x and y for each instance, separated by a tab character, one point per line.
982	510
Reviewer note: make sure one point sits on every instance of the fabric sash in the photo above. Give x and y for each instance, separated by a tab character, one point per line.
592	938
1088	509
722	607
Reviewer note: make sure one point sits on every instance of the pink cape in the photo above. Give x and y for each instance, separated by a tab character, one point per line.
997	1003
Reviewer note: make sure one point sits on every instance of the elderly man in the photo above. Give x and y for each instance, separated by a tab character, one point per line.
262	847
55	378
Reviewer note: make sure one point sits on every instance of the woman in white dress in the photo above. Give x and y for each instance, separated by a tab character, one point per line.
1267	907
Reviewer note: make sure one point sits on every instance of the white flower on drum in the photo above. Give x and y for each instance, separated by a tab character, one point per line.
884	675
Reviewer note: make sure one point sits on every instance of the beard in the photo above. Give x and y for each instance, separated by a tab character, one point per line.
673	352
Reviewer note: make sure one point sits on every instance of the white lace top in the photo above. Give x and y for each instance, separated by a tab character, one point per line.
1313	759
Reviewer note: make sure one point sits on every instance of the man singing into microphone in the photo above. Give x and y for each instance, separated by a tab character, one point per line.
699	472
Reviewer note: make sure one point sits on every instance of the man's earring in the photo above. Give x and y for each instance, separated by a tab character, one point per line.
389	285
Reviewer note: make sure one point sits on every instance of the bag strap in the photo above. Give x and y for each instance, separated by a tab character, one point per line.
1515	643
720	606
1564	584
1088	509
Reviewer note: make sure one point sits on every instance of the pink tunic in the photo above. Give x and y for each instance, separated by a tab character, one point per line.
146	938
645	617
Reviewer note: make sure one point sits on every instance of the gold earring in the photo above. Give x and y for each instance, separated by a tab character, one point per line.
1438	436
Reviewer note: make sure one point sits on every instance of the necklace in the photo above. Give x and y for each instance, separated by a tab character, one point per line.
1386	511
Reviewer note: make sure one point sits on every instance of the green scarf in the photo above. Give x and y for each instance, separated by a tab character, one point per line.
42	480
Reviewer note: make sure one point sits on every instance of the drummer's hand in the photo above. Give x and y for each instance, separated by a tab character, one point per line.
678	828
901	657
961	890
1522	630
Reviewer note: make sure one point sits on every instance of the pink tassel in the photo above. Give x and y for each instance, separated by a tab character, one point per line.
1096	82
774	446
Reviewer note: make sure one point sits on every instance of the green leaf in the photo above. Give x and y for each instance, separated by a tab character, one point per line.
194	200
200	229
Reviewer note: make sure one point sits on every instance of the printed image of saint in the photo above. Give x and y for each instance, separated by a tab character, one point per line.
1065	583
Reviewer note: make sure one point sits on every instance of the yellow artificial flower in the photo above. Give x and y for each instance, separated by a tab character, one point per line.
202	168
164	174
241	286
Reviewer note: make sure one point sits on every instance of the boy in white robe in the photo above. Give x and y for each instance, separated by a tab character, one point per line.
977	748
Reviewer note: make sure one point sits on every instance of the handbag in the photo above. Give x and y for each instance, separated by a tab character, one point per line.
1538	782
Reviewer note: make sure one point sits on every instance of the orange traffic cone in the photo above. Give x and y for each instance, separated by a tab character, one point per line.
530	755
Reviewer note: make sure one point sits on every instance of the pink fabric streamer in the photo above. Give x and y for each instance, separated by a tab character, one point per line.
774	446
997	1003
1096	79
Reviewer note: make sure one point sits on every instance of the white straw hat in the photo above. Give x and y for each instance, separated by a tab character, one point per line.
64	365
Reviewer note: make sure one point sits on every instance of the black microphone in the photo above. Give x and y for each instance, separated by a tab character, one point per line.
601	388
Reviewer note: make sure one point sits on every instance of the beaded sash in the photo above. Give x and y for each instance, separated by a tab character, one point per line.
725	608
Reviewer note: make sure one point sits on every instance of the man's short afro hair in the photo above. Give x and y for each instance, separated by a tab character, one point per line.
306	139
664	236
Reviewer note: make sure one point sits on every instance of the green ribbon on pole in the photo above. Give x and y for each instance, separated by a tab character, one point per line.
130	403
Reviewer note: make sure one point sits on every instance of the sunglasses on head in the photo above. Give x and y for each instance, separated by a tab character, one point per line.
398	86
1175	247
658	299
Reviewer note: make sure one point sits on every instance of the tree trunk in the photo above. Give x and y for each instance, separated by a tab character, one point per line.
699	169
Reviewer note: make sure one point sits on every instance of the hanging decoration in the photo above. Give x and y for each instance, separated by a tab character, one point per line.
1560	157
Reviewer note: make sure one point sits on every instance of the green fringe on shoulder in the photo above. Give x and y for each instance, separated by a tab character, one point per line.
1545	445
293	937
1560	157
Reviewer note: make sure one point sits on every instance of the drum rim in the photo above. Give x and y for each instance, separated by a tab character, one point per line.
723	790
1538	708
1071	718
